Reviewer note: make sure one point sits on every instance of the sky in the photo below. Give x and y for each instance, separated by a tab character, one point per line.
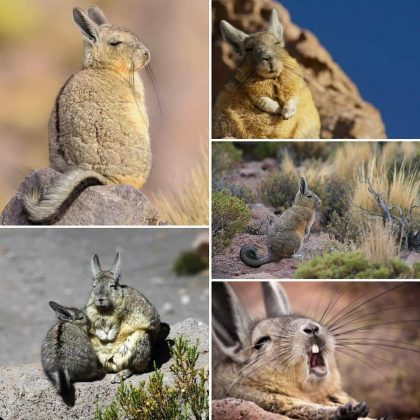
377	43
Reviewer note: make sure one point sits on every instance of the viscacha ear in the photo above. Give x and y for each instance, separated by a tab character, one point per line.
275	26
116	267
233	36
97	15
96	266
303	186
231	322
61	312
275	300
87	26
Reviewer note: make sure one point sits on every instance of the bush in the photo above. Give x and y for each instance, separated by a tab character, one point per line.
186	399
235	190
345	229
335	195
230	216
188	263
352	265
224	156
416	270
279	190
260	150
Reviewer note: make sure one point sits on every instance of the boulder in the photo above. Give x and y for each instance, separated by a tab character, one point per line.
344	114
233	409
98	205
25	392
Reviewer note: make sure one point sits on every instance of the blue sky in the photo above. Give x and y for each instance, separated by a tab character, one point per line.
377	43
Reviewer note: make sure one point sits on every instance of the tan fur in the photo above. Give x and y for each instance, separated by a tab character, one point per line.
99	123
239	110
286	234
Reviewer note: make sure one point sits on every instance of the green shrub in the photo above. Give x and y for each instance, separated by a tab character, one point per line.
186	399
260	150
335	195
230	216
224	156
351	265
235	190
188	263
416	270
279	190
344	228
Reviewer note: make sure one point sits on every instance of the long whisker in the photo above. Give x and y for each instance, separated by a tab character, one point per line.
151	75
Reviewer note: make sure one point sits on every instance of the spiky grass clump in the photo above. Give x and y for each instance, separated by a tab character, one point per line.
351	155
189	205
190	262
186	399
379	242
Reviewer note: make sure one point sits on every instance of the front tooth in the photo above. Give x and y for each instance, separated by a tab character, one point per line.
315	349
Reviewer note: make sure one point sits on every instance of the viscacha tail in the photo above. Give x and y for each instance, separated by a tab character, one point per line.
46	208
249	256
65	388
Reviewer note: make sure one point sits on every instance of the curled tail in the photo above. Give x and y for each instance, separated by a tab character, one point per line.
249	256
64	386
48	207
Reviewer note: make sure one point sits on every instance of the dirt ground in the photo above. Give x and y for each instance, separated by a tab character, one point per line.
39	265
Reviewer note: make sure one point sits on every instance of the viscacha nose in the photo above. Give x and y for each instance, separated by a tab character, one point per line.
310	329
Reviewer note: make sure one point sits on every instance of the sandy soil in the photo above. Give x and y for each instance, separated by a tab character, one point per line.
39	265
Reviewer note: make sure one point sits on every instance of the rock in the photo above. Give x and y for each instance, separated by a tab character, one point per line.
344	114
99	205
233	409
26	394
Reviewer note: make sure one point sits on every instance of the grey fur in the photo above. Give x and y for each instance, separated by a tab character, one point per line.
286	234
67	354
125	325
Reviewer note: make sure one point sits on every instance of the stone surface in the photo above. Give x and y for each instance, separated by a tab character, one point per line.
344	114
98	205
233	409
26	394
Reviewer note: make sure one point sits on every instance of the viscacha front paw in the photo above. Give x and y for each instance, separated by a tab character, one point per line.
352	412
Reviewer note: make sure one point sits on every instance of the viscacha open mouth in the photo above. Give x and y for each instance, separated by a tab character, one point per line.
316	362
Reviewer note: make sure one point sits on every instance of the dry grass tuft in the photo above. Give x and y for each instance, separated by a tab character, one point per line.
190	204
288	166
350	156
379	242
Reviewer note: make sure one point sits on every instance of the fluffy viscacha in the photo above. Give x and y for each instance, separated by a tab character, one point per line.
99	129
284	362
286	233
67	354
125	325
267	96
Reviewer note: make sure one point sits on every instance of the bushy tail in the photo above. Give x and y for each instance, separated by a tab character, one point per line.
249	256
46	208
64	386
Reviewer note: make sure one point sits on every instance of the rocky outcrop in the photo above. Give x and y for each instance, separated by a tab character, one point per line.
233	409
25	393
344	114
101	205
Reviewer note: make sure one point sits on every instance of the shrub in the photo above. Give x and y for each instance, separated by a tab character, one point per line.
351	265
230	216
235	190
188	263
260	150
335	195
416	270
279	190
186	399
224	156
346	228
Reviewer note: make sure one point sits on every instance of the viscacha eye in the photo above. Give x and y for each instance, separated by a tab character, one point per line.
115	43
248	49
277	43
260	342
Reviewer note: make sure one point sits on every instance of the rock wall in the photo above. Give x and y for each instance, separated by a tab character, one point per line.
26	394
344	114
